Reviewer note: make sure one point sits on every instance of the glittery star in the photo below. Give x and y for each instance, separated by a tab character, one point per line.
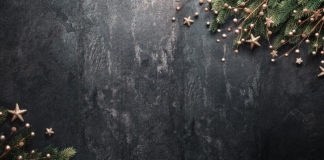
254	41
322	72
188	21
269	21
299	60
274	53
49	131
17	113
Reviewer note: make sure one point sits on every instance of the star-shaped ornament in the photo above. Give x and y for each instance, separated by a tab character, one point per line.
269	21
17	113
188	21
274	53
322	72
299	60
254	41
49	131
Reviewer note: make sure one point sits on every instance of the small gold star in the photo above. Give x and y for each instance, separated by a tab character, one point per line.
254	41
322	72
17	113
269	21
188	21
299	60
274	53
49	131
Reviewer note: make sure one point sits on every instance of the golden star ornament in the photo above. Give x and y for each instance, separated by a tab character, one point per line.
274	53
254	41
299	60
322	72
49	131
17	113
188	21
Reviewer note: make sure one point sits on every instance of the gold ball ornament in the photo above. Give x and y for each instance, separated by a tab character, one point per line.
229	29
291	33
224	36
251	25
322	52
312	19
235	10
2	137
269	33
294	11
218	40
273	60
316	34
313	53
264	6
209	1
215	12
1	113
270	47
48	155
226	5
223	59
21	144
305	10
19	157
32	134
236	51
207	23
196	14
239	42
7	148
219	30
286	54
235	20
32	152
237	31
201	2
178	8
245	30
297	51
173	19
322	61
27	125
283	41
13	129
261	13
307	40
206	9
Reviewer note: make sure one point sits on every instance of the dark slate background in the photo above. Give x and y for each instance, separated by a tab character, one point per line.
119	81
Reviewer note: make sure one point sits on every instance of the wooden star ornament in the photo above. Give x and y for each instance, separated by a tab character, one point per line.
49	131
188	21
322	72
269	21
17	113
254	41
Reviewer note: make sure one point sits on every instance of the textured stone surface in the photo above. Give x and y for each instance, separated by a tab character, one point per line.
119	81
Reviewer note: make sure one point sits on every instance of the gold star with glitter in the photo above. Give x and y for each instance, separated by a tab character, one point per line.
322	72
299	60
49	131
274	53
269	21
17	113
254	41
188	21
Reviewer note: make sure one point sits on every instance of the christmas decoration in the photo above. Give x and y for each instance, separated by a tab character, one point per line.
49	131
290	23
188	21
14	141
322	72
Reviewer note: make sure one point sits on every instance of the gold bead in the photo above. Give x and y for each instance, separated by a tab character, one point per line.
269	33
32	152
209	1
48	155
196	14
245	30
219	30
242	4
206	9
215	12
229	29
261	13
240	27
19	157
13	129
223	59
1	113
207	23
8	148
247	10
224	36
226	5
312	19
242	39
217	40
316	34
283	41
239	42
305	10
236	51
235	10
32	134
286	54
21	143
294	31
290	33
251	25
297	51
27	125
273	60
307	40
173	19
178	8
322	52
264	6
322	61
2	138
270	46
237	31
201	2
235	20
314	53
